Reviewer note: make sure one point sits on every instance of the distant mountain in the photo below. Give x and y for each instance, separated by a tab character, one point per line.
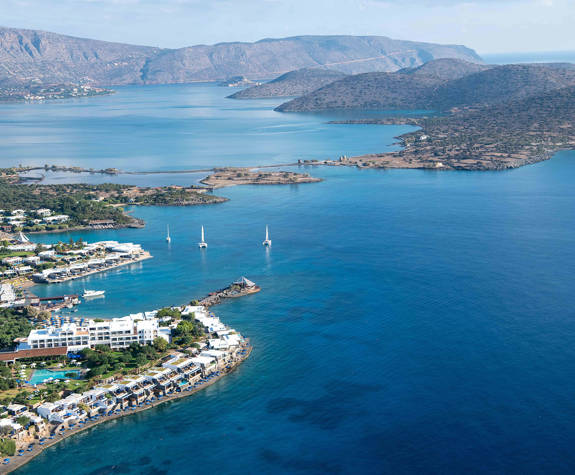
294	83
405	89
438	85
28	55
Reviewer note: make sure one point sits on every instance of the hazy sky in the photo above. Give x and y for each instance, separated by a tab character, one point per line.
489	26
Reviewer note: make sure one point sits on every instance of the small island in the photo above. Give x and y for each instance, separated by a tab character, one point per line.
232	176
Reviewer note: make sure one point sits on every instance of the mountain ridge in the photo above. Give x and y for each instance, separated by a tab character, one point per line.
34	55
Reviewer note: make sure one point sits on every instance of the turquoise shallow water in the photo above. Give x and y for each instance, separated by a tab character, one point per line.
410	321
41	375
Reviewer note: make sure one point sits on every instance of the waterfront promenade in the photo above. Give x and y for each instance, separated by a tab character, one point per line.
59	435
133	260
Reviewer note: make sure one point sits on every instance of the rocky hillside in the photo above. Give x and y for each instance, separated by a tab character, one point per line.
27	55
294	83
438	85
405	89
503	83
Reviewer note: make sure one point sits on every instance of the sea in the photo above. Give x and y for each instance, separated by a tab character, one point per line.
409	321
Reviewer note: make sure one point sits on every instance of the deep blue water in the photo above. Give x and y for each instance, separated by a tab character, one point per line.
410	322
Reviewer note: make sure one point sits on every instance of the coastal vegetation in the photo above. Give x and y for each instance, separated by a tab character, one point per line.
103	362
91	205
13	324
7	447
79	203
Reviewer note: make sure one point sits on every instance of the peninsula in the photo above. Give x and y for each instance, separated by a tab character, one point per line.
38	208
490	118
506	135
164	355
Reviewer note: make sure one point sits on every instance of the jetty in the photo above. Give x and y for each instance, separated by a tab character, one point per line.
236	289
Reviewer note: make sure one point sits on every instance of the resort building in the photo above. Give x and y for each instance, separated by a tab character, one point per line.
177	373
116	333
65	410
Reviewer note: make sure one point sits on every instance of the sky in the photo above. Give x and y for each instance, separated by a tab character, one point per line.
488	26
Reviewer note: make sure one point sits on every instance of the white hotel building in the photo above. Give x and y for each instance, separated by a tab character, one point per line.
116	333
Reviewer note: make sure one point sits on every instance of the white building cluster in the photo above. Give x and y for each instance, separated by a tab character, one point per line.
21	217
179	373
91	258
117	333
70	263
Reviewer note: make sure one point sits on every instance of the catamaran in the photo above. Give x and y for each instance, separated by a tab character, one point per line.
168	238
268	241
93	293
202	244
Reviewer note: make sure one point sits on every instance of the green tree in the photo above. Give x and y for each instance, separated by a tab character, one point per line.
160	344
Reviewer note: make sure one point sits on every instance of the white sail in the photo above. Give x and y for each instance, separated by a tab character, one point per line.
203	243
168	238
268	241
22	237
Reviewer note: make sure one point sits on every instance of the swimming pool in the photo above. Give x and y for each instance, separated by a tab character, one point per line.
41	375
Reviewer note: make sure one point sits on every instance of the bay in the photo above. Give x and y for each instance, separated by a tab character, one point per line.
410	321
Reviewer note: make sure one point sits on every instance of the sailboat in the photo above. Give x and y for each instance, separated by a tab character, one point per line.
202	244
168	238
268	241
